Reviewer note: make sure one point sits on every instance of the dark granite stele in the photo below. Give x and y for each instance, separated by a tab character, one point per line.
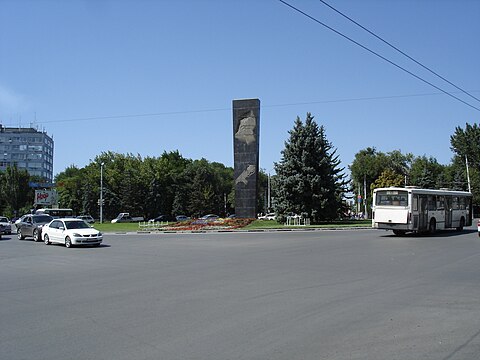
246	131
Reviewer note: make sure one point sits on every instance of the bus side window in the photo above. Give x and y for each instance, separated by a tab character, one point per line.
440	202
455	204
431	203
462	203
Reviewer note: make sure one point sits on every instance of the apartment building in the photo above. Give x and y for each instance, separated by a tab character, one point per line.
29	149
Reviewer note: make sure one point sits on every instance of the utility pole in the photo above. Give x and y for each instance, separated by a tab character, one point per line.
101	192
468	174
365	195
268	195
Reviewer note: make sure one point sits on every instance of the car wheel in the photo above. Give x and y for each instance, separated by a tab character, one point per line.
36	235
68	242
46	240
20	235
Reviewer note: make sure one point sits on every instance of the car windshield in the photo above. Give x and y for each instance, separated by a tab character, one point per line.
3	219
42	219
80	224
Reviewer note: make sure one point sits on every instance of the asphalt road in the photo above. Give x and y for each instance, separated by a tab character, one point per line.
358	294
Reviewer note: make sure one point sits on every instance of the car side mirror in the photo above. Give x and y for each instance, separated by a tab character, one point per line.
61	228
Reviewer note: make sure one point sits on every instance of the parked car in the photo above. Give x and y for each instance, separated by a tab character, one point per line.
31	226
71	232
209	217
87	218
5	224
161	218
125	217
182	218
269	216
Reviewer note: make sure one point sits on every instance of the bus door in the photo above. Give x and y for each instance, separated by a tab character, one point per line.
423	212
448	212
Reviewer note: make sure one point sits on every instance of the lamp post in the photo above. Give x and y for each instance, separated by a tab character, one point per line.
101	192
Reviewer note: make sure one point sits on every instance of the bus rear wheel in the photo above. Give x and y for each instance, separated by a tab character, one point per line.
399	232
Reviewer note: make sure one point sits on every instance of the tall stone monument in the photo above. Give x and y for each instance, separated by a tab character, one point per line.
246	131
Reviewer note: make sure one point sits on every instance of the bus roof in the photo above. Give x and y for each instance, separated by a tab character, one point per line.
416	190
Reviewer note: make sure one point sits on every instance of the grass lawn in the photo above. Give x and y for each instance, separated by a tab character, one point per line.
272	224
256	225
119	227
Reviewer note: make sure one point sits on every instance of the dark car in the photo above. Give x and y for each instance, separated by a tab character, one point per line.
6	225
182	218
87	218
162	218
31	226
210	217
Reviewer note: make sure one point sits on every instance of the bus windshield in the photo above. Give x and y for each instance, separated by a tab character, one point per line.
392	198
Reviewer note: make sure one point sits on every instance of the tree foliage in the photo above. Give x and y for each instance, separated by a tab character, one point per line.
168	185
465	144
309	180
388	178
16	196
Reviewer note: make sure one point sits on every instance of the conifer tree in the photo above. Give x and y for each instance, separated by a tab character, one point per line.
309	180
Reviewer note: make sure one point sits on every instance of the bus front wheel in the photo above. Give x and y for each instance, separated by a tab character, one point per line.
462	224
432	227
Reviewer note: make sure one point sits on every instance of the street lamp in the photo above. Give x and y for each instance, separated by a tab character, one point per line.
101	192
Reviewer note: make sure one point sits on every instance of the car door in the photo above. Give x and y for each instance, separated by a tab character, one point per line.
27	227
56	231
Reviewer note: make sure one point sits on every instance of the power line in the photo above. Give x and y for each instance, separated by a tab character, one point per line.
111	117
397	49
376	54
185	112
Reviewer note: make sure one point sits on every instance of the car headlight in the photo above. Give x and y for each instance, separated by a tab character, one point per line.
76	235
99	234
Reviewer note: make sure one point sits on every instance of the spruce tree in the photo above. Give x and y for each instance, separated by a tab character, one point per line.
309	180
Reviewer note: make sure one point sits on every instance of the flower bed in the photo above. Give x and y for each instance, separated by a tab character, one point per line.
201	225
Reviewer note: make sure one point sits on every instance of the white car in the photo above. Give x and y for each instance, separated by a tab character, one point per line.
7	227
269	216
71	232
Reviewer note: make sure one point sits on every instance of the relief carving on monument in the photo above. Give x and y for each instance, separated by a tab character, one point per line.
243	177
246	129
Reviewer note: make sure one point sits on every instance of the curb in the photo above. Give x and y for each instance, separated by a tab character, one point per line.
140	232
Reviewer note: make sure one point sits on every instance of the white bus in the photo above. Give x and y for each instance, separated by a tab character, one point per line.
56	213
417	210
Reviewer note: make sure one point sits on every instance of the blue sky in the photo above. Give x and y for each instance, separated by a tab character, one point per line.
145	77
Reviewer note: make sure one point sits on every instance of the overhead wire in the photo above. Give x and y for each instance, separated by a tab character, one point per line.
397	49
186	112
376	54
